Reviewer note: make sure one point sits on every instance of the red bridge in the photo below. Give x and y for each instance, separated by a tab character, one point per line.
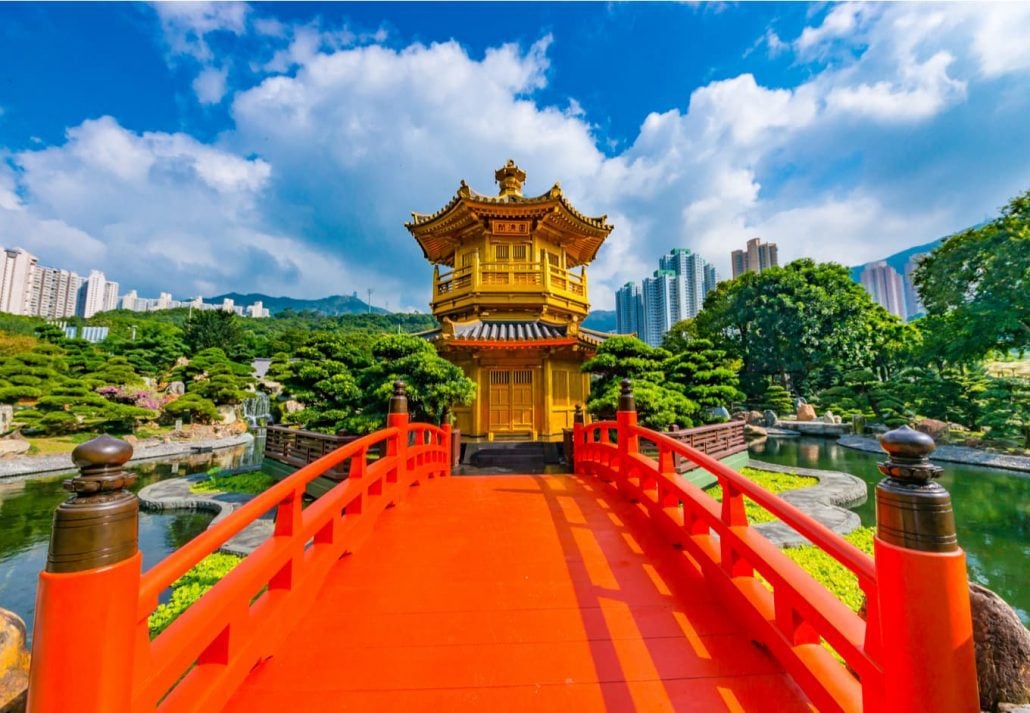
622	587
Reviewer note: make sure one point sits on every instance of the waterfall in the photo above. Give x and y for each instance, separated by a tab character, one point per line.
256	409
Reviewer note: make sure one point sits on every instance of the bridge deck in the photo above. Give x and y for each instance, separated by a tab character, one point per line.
516	593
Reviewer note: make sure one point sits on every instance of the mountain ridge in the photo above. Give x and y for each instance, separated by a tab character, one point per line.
332	305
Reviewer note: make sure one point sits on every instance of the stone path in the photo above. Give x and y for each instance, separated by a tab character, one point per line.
37	465
826	502
174	494
951	454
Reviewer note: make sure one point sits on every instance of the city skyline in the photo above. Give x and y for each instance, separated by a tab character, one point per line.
31	289
675	291
282	146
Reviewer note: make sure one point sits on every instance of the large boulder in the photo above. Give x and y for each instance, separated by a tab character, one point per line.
1002	646
806	412
937	430
719	412
769	419
228	413
11	447
828	417
754	432
176	387
14	662
6	417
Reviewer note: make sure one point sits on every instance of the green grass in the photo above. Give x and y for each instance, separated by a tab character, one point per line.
830	573
823	568
190	587
774	483
252	483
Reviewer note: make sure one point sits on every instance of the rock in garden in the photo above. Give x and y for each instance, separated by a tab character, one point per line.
719	412
14	662
799	402
10	447
828	417
176	387
6	417
739	416
1002	650
769	418
806	412
751	432
228	413
937	430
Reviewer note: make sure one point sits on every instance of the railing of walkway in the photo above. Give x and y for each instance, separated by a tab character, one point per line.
93	597
913	650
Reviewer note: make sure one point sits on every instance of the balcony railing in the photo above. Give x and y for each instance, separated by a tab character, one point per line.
510	276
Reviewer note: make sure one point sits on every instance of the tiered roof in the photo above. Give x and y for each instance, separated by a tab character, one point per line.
441	233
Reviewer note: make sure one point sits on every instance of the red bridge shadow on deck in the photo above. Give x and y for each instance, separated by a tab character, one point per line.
529	593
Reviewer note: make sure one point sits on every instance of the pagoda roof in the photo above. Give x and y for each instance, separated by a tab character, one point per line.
512	333
440	234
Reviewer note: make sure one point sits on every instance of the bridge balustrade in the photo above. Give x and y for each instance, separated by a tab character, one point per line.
913	649
199	660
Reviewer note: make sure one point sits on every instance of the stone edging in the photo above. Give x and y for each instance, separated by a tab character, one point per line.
61	462
174	494
949	454
826	502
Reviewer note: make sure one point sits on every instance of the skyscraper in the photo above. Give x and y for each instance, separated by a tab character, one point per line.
912	299
54	292
757	256
16	271
110	296
91	294
629	309
885	286
659	302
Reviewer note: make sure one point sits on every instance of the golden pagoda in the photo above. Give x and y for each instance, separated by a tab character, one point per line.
510	302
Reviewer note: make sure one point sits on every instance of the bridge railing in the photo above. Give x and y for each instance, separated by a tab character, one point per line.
92	649
912	650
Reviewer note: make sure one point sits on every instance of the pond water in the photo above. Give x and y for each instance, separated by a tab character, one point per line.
992	509
26	516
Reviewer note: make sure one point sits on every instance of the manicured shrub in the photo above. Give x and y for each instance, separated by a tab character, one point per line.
190	587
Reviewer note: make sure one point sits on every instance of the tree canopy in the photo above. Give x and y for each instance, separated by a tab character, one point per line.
976	288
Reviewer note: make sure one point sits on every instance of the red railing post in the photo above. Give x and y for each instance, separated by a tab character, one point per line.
626	419
397	417
923	591
85	626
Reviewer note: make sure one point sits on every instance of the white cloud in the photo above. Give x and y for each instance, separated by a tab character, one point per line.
210	85
356	135
186	25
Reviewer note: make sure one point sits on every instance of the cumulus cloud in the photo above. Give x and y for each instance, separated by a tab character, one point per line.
341	137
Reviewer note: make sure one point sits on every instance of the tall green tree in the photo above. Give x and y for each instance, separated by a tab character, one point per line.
659	403
214	328
706	376
801	325
976	288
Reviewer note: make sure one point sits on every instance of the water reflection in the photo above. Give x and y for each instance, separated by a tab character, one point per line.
27	509
992	508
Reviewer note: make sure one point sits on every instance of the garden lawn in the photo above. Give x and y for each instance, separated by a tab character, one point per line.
773	482
253	483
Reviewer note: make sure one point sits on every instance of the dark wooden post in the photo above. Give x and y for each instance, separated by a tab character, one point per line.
923	603
397	417
87	598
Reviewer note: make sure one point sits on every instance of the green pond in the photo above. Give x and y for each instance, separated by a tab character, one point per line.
27	507
992	509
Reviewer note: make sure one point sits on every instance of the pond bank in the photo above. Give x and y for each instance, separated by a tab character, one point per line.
949	454
41	465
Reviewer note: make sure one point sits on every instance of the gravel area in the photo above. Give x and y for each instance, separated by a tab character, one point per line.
950	454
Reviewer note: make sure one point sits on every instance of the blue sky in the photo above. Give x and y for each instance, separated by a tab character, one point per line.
199	148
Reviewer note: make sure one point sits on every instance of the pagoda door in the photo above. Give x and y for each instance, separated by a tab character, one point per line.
511	400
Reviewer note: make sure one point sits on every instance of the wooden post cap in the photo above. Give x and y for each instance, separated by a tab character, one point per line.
626	402
99	524
399	400
912	510
578	415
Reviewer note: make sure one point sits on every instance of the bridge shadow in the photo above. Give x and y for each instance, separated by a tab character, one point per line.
658	638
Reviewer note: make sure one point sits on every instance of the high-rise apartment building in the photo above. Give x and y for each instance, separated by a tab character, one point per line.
885	286
659	293
675	291
130	300
94	295
913	301
629	309
55	292
110	296
757	256
16	271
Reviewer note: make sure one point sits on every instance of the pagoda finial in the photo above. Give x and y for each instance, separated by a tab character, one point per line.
510	177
